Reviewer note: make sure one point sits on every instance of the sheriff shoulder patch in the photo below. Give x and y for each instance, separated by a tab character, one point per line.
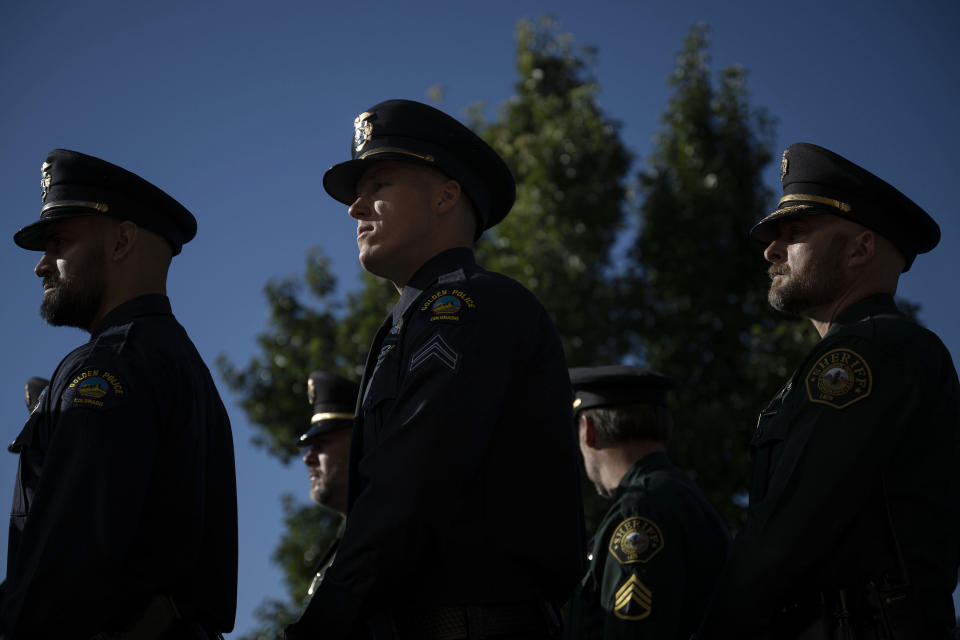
633	600
635	539
839	378
94	388
447	305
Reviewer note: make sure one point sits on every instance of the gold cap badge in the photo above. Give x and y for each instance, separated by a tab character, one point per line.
362	130
784	163
45	179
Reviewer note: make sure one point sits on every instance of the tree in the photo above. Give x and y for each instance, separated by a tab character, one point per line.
706	320
569	163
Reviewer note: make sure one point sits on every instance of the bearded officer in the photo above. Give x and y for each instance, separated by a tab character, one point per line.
328	450
657	553
854	497
124	517
464	407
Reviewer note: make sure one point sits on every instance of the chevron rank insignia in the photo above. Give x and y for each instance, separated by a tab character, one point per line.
438	349
633	600
635	539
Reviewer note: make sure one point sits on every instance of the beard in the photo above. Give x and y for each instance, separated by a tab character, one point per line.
819	284
74	301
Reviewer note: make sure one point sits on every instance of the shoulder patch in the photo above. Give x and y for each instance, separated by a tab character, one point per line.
635	539
447	305
839	378
633	600
94	388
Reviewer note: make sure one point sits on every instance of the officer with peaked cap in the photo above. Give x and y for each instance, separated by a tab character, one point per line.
464	407
658	550
124	514
854	499
328	450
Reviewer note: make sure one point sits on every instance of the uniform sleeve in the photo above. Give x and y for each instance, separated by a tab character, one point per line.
84	511
855	404
643	577
434	416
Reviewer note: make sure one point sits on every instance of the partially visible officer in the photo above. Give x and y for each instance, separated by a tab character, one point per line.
464	408
657	553
328	450
124	516
32	391
854	517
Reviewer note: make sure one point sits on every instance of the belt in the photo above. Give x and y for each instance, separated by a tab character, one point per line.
473	622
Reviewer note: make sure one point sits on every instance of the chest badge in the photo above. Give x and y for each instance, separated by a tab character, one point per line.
838	379
635	539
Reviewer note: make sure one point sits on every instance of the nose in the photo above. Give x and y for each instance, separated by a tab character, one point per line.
310	457
774	252
359	209
44	268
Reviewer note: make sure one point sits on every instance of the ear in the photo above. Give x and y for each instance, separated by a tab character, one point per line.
588	431
122	240
861	248
446	196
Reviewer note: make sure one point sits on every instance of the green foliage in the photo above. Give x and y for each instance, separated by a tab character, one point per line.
570	166
689	300
705	318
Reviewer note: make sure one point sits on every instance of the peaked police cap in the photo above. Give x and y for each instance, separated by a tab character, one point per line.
818	181
414	132
75	184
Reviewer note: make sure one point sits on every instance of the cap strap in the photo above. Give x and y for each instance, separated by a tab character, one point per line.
426	157
843	206
99	206
317	417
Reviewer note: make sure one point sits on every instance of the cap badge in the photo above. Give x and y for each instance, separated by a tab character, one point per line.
311	390
362	130
45	179
784	163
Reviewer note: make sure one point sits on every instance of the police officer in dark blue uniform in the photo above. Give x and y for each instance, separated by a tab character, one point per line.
124	513
854	517
658	550
327	441
465	517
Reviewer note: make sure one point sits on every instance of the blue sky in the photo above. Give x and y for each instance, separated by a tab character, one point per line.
237	108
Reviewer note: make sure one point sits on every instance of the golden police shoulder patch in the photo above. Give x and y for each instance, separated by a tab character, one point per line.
635	539
633	600
839	378
94	388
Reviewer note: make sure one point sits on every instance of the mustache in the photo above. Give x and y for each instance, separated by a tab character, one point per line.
50	281
778	270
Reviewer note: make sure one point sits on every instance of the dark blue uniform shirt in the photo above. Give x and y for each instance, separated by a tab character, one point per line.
464	485
857	455
126	486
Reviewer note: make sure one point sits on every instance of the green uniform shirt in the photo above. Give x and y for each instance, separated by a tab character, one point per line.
654	558
859	448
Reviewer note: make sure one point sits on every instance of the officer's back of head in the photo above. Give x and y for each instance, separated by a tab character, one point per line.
621	414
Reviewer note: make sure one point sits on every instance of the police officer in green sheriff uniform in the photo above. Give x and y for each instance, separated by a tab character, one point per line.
854	517
327	456
658	550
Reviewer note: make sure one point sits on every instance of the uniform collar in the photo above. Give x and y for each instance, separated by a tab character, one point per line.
146	305
443	262
877	304
656	461
439	265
